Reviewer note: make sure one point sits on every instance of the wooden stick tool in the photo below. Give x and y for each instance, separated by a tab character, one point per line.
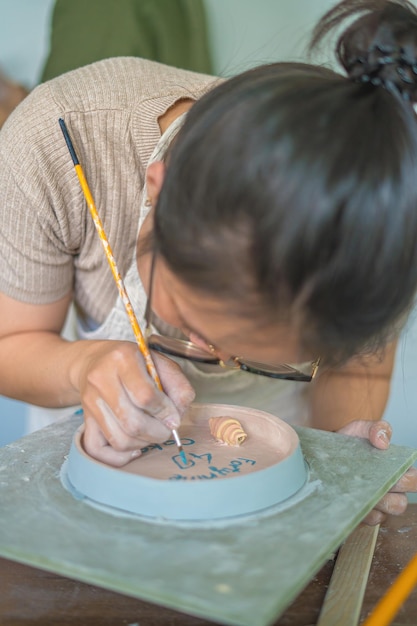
150	366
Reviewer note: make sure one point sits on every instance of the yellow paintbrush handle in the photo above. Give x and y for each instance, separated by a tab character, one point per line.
150	366
117	277
388	606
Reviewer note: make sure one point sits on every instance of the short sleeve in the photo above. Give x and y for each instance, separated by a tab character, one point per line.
36	243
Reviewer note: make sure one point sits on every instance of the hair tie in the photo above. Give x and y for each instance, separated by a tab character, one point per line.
385	66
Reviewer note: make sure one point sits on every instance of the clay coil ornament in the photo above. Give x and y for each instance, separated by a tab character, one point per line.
228	430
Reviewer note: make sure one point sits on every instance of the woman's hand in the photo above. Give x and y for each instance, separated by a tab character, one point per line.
395	501
123	409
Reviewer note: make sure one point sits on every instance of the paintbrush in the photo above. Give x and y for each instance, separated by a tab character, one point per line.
150	366
390	603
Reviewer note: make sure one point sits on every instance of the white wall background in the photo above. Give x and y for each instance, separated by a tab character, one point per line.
243	33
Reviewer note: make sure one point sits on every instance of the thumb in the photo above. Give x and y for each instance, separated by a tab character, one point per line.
378	433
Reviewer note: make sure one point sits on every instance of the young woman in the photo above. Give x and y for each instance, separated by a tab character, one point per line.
266	220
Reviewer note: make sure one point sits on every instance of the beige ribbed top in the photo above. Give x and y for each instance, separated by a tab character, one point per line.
48	242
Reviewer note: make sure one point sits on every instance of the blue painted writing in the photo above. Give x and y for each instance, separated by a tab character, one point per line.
235	466
156	446
190	459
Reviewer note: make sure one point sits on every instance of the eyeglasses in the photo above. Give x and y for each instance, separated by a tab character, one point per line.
184	349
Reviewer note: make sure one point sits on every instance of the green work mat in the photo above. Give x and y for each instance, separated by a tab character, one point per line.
243	572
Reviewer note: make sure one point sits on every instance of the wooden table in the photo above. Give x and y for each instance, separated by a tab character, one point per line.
29	595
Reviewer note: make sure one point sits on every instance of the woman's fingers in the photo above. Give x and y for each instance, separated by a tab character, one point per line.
175	384
407	482
374	517
378	433
119	393
390	504
97	446
395	501
119	377
124	426
128	409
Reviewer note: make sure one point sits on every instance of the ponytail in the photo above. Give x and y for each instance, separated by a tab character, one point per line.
380	47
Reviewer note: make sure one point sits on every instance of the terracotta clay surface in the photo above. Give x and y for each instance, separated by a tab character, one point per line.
269	441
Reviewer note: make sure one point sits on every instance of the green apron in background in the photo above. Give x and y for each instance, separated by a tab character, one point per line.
169	31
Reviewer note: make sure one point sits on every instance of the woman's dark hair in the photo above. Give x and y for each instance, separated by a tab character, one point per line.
293	189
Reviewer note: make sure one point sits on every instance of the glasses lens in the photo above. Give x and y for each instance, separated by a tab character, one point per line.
281	371
180	348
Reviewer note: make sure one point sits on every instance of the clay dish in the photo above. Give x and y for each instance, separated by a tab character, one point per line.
219	481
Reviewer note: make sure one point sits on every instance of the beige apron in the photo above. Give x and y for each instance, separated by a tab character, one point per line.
211	383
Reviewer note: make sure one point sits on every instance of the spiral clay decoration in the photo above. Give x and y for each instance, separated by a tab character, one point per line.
228	430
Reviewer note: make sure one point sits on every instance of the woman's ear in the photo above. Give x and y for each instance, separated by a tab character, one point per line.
154	178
